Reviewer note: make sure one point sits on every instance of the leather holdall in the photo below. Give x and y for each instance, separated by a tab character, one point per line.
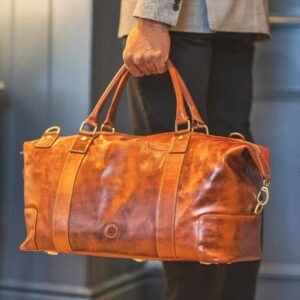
183	195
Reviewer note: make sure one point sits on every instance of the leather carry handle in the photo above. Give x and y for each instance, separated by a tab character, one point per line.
197	121
181	115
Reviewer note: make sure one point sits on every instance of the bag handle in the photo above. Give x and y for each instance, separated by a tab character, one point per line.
197	121
181	115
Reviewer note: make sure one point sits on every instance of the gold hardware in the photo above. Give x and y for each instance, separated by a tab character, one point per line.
54	129
204	263
102	126
83	123
188	126
83	138
50	252
50	135
138	260
205	127
261	203
232	134
180	137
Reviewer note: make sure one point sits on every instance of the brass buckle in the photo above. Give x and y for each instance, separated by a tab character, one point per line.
103	126
188	126
261	203
81	130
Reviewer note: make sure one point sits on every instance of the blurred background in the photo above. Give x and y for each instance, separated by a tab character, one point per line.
56	57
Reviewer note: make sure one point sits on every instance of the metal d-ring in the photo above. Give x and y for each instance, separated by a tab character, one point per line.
103	126
81	128
237	134
53	129
261	203
188	122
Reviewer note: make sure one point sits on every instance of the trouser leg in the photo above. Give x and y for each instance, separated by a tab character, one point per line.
228	107
230	84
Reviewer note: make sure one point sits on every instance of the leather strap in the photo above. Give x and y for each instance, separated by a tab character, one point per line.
181	115
190	102
109	121
92	119
112	110
166	204
63	201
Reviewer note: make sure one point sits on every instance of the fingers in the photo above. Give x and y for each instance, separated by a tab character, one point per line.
161	66
140	64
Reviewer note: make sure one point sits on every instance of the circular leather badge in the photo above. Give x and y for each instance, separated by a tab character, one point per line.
111	230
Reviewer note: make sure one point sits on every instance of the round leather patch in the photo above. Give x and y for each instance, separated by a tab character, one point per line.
111	230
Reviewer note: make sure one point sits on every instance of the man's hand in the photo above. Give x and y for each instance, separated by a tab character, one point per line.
147	48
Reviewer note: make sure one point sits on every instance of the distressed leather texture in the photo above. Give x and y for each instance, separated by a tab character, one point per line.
183	195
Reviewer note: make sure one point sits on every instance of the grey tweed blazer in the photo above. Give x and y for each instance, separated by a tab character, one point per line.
181	15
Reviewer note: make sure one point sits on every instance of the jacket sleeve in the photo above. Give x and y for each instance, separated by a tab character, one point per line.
165	11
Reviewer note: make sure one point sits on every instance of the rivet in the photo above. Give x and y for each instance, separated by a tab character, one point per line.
111	230
180	137
83	138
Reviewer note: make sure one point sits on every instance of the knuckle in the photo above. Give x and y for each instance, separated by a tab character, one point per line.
149	58
158	54
138	59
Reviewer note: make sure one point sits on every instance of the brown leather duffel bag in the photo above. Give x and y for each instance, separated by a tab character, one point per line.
180	195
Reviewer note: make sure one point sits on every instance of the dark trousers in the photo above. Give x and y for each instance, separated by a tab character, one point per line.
217	69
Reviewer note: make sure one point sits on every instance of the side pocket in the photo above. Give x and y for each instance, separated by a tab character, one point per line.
228	238
30	222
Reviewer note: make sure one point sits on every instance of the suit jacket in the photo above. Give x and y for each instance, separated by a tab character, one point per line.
180	15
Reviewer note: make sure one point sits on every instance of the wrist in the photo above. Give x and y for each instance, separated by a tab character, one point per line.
153	24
